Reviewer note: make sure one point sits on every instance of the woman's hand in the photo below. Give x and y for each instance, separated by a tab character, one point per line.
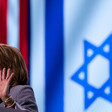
4	83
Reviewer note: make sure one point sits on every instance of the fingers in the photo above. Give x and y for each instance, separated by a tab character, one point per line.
3	74
0	75
8	73
10	77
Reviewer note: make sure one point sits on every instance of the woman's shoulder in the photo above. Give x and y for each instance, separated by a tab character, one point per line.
20	89
24	96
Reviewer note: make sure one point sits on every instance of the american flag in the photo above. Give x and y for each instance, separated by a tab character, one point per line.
66	45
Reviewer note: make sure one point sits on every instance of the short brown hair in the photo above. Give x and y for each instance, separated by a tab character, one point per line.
10	57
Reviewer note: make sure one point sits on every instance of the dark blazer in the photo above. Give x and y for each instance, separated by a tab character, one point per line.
24	98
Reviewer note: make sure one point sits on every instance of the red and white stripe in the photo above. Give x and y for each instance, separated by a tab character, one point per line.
14	25
14	32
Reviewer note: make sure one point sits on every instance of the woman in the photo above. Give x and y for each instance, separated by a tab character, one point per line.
14	89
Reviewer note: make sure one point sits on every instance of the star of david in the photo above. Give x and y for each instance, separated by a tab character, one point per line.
83	81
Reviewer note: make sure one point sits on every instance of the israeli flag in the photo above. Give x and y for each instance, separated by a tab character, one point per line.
68	47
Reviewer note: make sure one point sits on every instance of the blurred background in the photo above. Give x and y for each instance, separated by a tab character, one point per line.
67	47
